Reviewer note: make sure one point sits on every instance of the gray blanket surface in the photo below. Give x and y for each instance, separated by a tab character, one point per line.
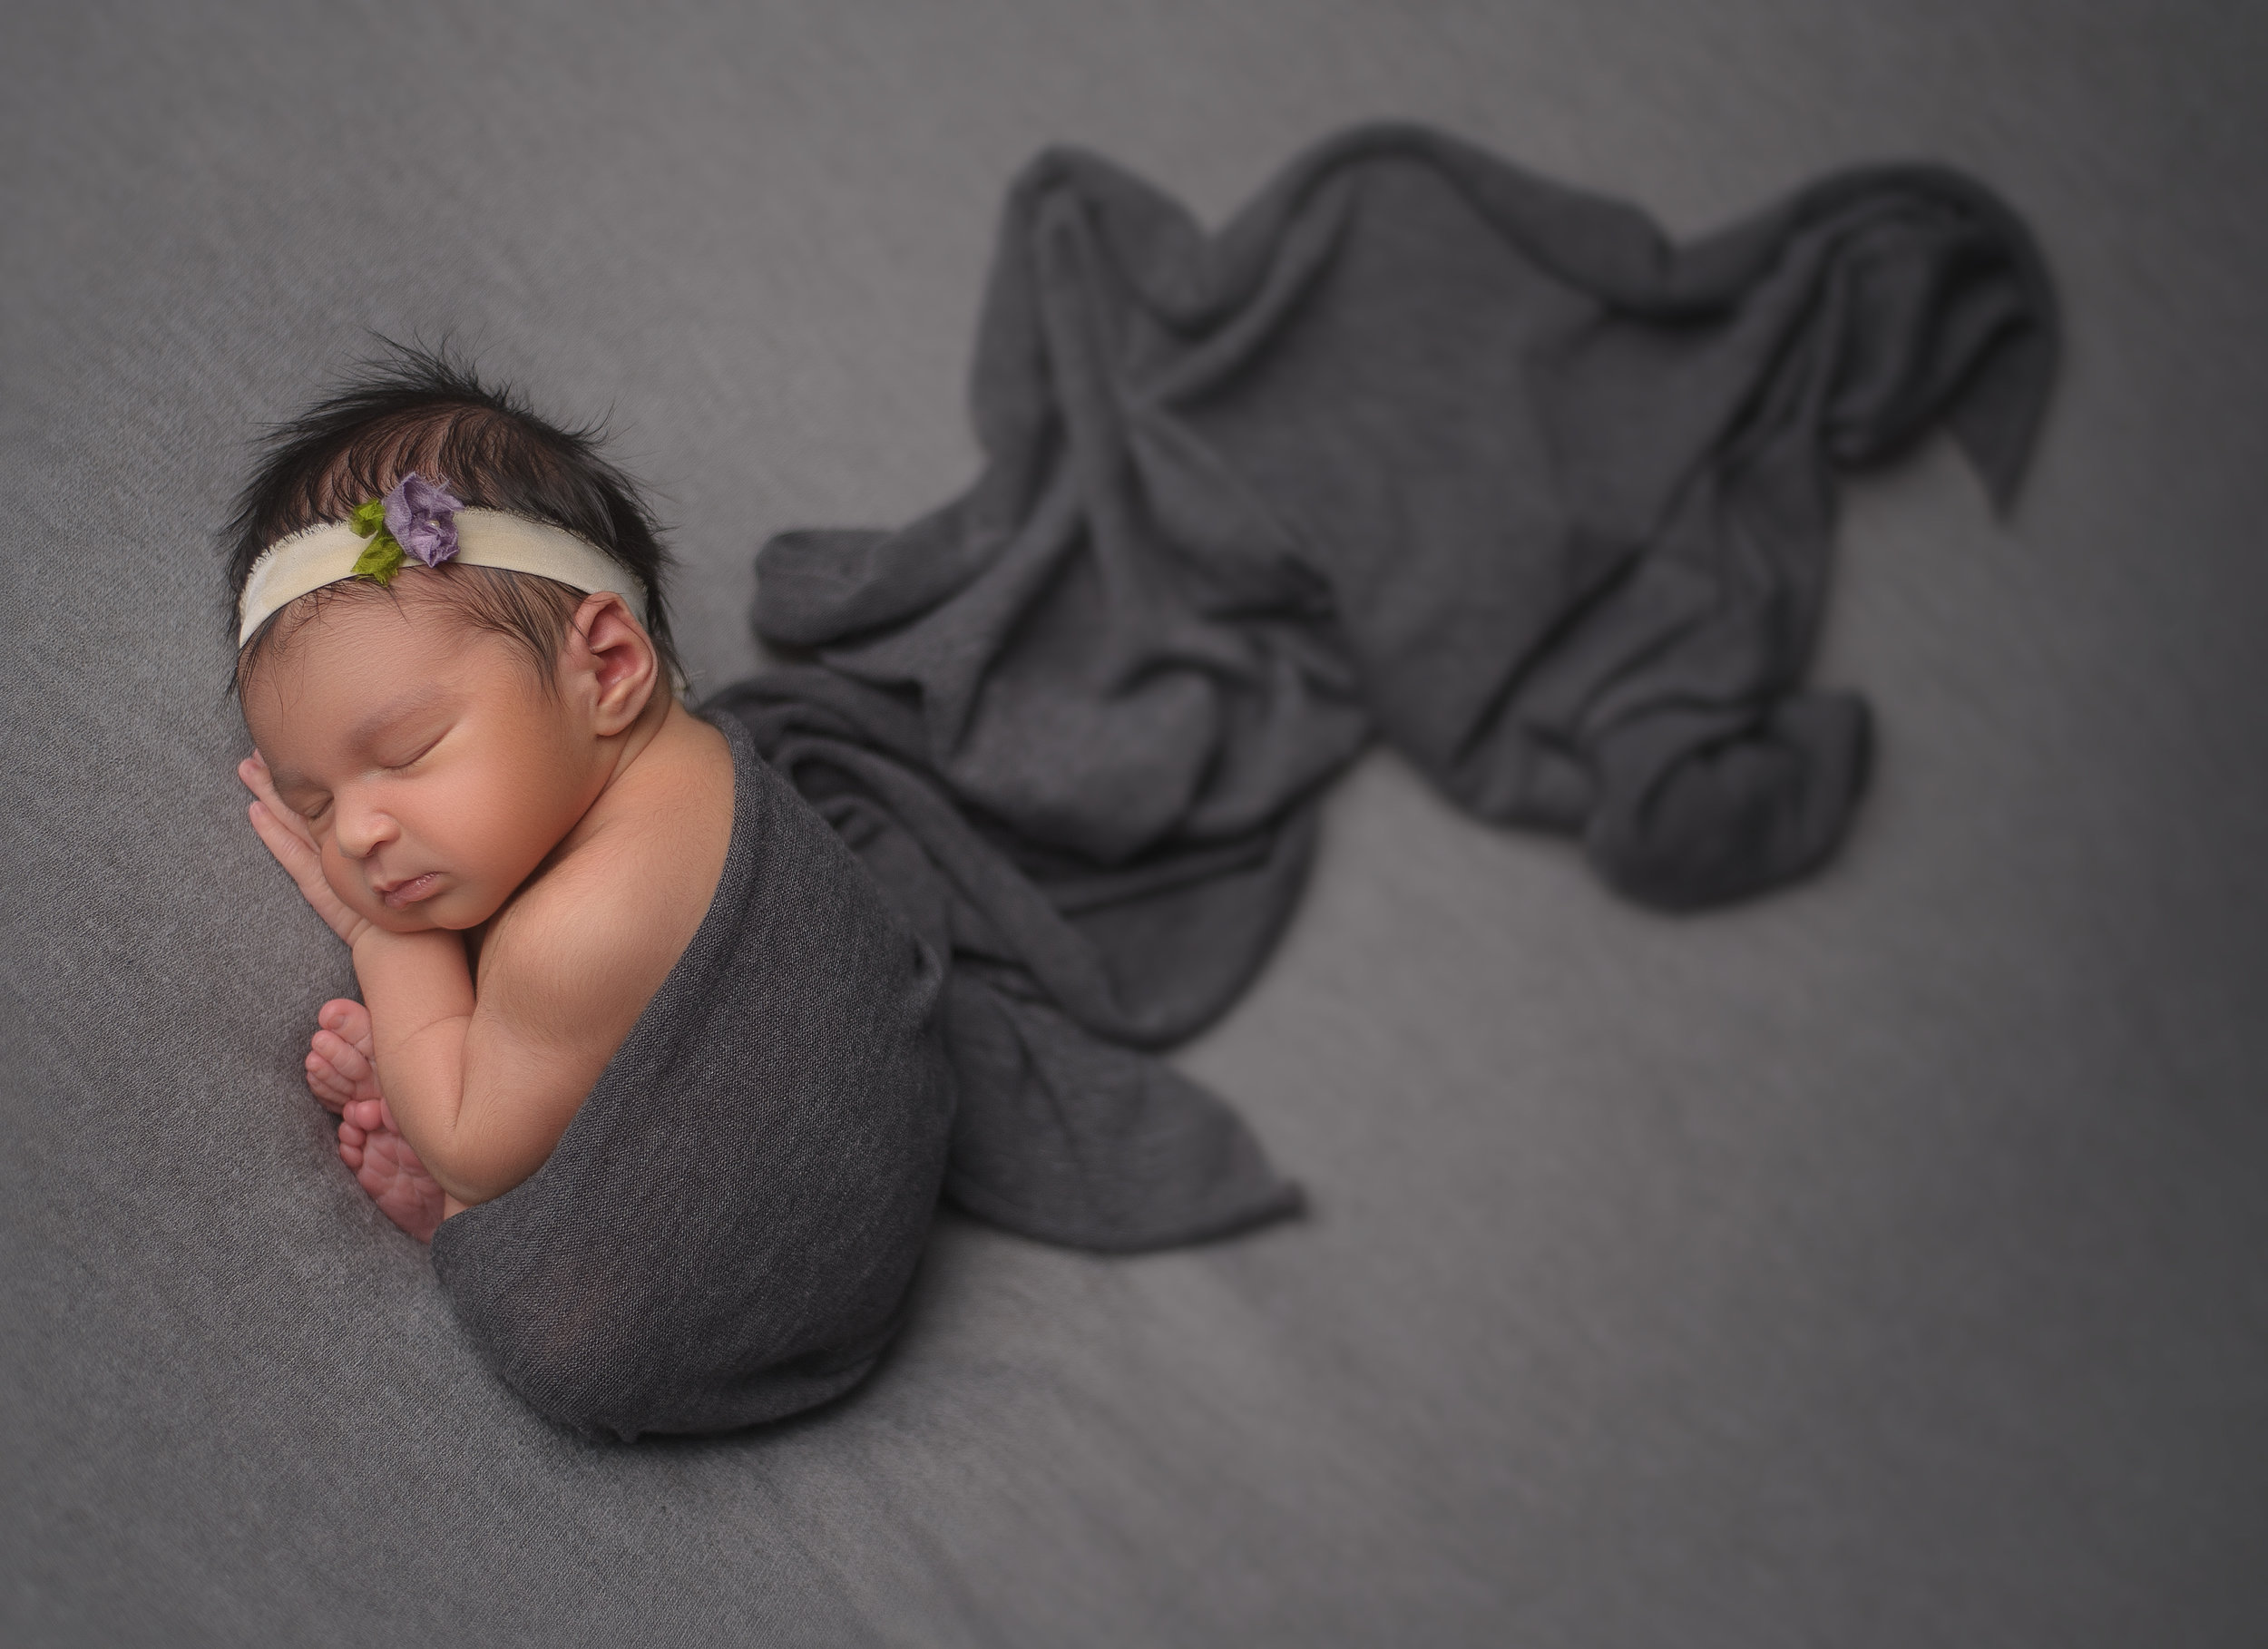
1419	443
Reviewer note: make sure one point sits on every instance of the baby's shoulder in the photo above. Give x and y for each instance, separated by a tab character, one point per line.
610	916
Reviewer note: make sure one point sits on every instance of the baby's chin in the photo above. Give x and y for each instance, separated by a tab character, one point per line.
453	910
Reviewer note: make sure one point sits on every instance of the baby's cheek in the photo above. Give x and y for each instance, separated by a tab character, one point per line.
348	885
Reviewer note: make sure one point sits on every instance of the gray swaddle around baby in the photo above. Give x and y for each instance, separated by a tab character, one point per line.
726	1232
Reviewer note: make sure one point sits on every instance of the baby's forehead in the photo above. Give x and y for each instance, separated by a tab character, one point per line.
358	616
347	643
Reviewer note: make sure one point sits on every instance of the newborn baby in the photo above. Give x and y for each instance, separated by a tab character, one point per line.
643	1051
478	777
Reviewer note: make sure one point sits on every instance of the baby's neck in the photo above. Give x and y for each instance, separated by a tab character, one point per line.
645	757
657	730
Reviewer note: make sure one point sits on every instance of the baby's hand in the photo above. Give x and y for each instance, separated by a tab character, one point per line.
342	1076
293	843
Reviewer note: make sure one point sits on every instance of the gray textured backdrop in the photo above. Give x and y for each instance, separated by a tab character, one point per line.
1879	1264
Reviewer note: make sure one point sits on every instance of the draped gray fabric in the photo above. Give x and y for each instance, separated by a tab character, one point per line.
1419	445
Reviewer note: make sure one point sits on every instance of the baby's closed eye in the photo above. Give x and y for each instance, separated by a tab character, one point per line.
399	763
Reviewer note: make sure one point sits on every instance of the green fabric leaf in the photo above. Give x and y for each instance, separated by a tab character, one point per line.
367	518
381	561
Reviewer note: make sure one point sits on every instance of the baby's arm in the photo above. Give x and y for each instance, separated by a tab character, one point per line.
483	1087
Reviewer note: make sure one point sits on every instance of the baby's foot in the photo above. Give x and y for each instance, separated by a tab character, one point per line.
341	1072
385	1167
341	1067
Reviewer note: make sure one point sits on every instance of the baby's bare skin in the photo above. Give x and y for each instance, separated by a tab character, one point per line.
342	1076
427	792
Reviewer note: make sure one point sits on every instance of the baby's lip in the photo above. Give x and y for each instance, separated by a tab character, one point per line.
407	890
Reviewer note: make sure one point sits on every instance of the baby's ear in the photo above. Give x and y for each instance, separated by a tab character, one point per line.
608	647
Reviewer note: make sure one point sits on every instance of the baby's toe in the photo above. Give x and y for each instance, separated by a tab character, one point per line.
346	1019
343	1056
329	1087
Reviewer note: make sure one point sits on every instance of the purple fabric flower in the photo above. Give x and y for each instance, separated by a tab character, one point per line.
422	517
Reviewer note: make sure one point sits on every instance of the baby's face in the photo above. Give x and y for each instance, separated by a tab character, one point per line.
434	771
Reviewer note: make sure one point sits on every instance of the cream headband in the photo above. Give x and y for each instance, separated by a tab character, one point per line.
290	567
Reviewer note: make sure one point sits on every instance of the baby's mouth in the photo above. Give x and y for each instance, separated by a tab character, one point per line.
398	894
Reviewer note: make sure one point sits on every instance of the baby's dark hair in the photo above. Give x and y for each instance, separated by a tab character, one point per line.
427	410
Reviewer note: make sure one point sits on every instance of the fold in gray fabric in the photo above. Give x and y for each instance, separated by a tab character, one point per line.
726	1232
1419	445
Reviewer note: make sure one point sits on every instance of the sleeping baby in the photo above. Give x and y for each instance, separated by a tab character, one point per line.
642	1050
470	761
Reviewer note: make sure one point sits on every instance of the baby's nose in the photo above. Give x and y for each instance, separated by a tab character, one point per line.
361	830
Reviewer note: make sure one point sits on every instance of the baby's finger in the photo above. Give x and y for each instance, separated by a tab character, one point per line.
258	779
298	859
273	820
305	867
253	771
